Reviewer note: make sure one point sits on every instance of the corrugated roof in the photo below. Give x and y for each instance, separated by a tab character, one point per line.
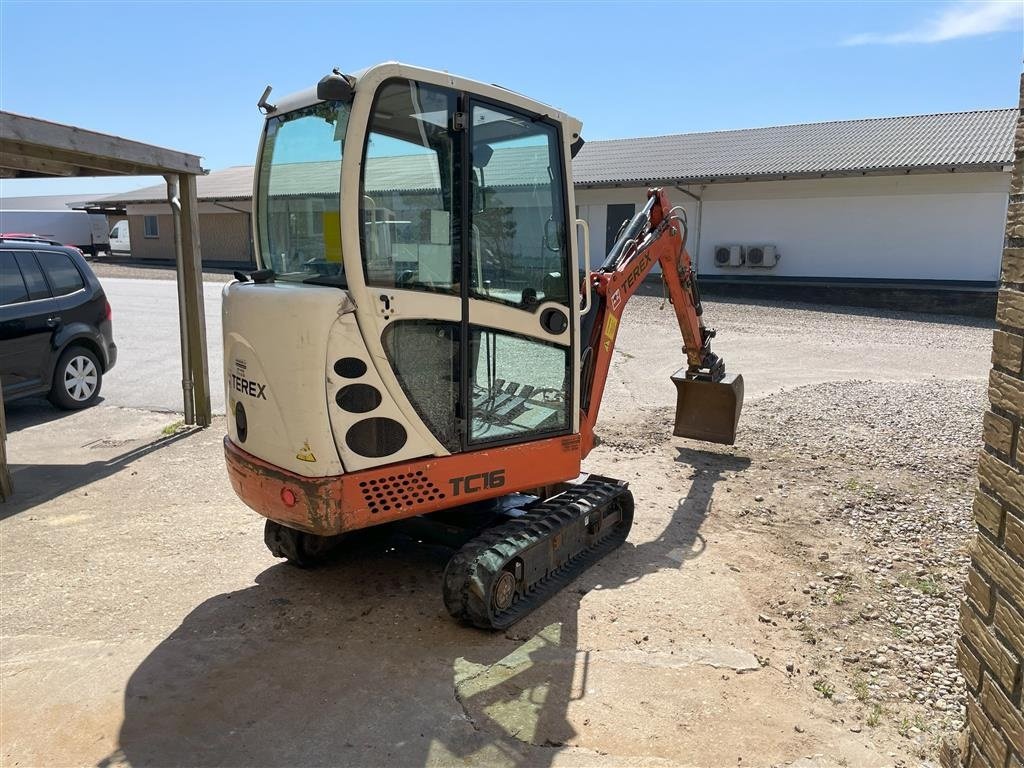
980	139
43	202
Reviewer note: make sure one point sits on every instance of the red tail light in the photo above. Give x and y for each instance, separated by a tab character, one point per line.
108	312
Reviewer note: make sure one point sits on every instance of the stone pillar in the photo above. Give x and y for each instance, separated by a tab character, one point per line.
991	649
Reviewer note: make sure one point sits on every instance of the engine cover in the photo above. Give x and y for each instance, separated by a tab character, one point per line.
275	349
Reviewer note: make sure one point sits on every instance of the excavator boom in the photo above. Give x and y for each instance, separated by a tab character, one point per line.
709	401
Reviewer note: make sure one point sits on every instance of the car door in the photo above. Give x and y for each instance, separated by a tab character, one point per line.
28	320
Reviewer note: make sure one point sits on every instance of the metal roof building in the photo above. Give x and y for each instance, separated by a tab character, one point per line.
957	141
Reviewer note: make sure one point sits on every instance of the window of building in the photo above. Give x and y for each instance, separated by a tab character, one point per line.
150	226
62	273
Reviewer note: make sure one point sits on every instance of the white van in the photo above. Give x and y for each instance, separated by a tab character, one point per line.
85	231
119	242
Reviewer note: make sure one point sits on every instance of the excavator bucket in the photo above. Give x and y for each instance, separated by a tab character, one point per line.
708	410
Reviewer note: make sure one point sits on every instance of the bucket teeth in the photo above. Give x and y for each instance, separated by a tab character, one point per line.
708	410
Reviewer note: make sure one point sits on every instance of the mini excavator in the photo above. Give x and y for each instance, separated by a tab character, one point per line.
426	339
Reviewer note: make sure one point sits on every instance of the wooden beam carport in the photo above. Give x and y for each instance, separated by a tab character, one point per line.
34	148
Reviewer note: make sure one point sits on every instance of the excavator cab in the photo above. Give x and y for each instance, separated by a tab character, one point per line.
413	345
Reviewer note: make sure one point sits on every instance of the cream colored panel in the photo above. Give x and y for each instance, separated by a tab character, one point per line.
275	340
346	341
506	318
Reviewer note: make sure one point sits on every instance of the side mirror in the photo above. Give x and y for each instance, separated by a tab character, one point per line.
334	87
482	154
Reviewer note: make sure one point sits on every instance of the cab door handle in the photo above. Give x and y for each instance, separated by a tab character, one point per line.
53	321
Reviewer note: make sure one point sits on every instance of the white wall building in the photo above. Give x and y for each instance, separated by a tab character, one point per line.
918	200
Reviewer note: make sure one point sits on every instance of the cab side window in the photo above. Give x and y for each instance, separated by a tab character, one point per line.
12	285
34	280
61	272
519	253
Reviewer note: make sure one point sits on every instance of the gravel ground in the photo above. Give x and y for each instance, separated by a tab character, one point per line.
901	462
862	490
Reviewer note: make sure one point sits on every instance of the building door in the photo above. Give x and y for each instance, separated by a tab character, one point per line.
617	214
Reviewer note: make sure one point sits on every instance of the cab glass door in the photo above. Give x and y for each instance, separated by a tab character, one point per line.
519	370
411	246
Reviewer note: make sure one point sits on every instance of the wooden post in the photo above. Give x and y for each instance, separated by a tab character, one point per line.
194	301
6	487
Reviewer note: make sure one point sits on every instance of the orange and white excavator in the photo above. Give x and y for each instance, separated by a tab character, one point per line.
426	340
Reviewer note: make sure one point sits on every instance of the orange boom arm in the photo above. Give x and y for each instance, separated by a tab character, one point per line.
656	234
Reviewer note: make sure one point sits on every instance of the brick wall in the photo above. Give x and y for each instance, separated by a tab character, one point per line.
991	649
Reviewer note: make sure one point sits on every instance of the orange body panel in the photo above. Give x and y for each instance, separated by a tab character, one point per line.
335	504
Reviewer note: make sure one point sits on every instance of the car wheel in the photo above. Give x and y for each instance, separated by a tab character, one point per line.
76	380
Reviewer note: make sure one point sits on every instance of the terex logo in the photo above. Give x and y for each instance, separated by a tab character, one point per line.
637	271
248	387
477	483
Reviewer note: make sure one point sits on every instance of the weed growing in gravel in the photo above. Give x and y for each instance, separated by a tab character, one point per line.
825	688
839	598
172	429
875	715
926	585
903	729
860	689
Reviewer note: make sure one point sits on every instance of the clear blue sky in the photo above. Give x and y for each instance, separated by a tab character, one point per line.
187	75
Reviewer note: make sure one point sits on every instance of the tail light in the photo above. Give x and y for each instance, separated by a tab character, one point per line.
107	312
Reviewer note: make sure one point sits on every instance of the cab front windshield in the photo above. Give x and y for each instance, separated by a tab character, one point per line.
299	194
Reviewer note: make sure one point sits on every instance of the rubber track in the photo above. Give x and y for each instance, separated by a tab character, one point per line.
473	569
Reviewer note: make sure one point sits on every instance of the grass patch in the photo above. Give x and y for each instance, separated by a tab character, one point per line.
903	729
172	429
860	689
926	585
875	716
825	688
838	598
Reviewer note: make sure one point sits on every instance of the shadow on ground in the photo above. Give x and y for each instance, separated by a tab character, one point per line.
35	484
357	663
32	412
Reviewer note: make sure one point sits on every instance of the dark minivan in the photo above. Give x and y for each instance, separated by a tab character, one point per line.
55	329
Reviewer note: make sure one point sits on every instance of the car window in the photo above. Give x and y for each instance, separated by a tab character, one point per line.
34	280
12	285
61	270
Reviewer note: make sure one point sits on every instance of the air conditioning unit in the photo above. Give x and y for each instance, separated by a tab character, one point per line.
729	256
762	256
